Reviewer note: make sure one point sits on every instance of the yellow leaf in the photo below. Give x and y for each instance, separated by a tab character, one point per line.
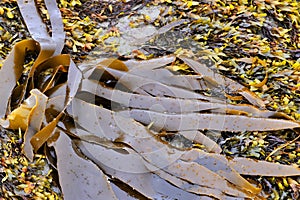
147	17
296	66
9	14
110	8
75	2
192	3
265	49
1	11
170	10
182	67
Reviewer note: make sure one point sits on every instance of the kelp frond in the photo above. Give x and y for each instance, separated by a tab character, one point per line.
108	121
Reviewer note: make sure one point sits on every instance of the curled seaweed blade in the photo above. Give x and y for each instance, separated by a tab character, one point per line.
56	63
58	34
49	83
57	90
50	45
79	178
73	81
33	20
98	71
37	30
12	70
18	118
39	33
62	59
35	119
38	139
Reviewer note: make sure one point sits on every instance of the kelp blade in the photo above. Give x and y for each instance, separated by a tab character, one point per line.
79	178
12	70
195	121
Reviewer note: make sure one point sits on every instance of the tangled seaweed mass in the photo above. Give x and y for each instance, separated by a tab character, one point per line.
106	124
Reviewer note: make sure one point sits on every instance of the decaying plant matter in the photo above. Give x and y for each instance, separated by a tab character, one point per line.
134	122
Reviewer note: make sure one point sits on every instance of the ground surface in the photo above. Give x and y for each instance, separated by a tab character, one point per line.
256	43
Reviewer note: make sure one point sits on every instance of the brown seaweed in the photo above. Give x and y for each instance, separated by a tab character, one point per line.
12	70
97	144
79	178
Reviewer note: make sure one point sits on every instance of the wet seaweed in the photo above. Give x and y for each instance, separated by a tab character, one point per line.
127	140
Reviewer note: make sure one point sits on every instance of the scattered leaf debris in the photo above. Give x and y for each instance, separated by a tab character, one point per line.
233	63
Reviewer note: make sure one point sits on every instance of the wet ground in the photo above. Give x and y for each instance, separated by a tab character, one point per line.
227	33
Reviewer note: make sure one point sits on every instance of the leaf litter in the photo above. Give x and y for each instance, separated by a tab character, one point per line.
130	111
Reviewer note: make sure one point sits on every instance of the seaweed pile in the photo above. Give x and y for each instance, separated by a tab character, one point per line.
112	123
